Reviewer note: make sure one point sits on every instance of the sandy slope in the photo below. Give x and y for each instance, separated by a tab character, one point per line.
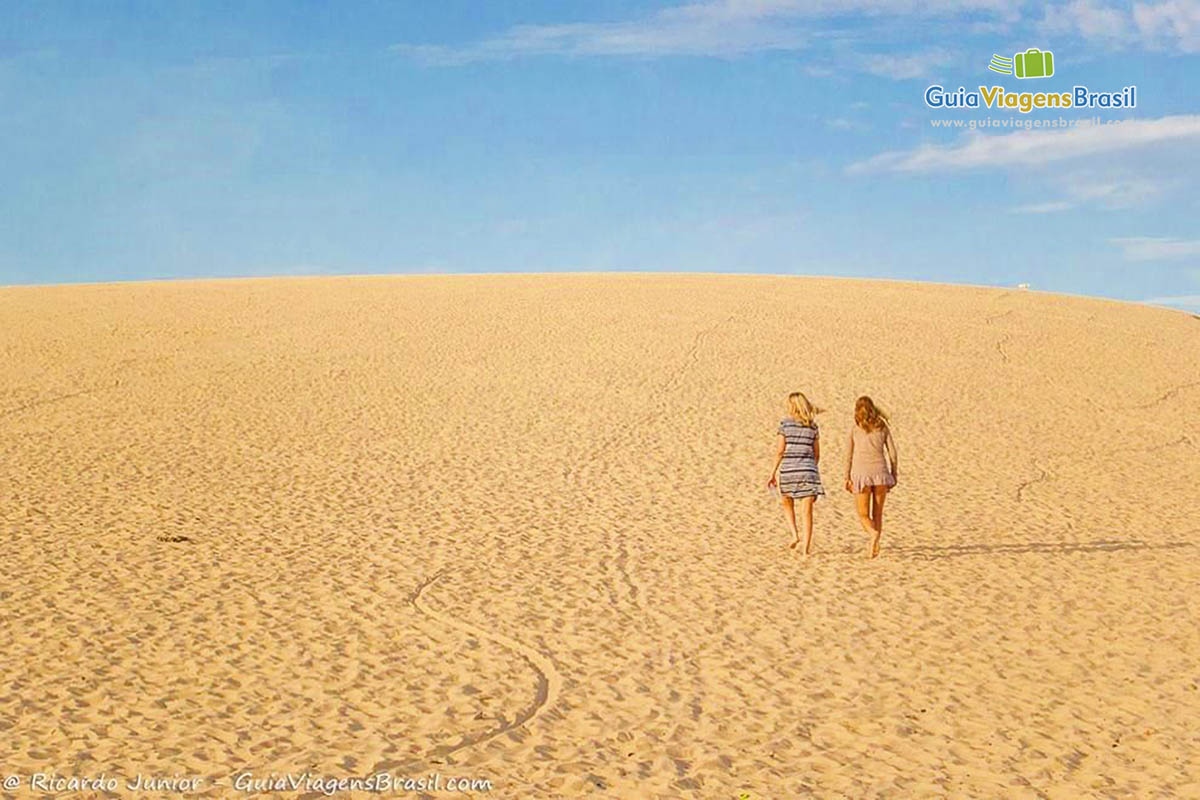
516	528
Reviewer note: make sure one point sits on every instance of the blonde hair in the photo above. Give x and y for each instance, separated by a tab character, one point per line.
801	410
869	416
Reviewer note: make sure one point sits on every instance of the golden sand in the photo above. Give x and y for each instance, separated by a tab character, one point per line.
516	528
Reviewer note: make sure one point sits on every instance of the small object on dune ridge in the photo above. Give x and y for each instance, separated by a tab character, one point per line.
1022	285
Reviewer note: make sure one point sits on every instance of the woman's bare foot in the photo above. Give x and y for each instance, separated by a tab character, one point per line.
795	542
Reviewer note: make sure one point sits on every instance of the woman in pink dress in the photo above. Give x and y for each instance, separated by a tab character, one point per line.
870	467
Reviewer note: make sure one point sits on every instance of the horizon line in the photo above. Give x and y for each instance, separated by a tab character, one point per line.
1154	302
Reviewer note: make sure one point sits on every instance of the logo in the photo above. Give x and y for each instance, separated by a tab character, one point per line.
1033	63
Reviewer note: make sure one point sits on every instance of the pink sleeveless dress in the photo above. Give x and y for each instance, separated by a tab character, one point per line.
867	461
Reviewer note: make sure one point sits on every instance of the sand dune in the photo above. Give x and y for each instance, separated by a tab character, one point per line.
516	528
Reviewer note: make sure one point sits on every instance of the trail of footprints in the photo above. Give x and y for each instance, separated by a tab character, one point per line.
616	541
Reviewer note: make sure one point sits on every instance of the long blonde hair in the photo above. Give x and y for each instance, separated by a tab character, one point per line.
801	410
869	416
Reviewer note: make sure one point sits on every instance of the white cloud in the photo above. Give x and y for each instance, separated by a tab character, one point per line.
1115	193
722	28
1156	248
1175	22
901	67
1110	194
814	71
1043	208
1035	146
845	124
731	28
1089	19
662	37
1170	24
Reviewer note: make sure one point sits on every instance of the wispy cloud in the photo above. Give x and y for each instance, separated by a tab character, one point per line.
1115	193
732	28
1035	146
905	66
1156	248
846	124
1109	194
1168	25
1089	19
1043	208
719	28
666	36
715	29
1176	22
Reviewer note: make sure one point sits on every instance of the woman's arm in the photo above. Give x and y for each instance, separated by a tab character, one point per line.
849	459
778	459
893	455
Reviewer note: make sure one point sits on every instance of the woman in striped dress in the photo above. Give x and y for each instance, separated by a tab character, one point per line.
796	470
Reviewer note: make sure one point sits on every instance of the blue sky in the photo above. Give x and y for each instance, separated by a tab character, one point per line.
164	140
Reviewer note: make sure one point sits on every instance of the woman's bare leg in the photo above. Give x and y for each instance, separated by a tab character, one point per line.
863	505
789	516
878	494
806	509
862	501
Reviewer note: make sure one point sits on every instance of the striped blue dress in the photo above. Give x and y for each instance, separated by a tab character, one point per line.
798	474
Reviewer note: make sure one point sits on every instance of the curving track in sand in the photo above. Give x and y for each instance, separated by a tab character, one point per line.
548	680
